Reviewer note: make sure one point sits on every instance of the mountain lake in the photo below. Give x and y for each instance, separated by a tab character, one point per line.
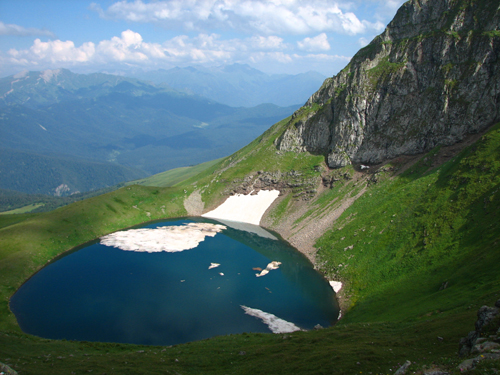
175	281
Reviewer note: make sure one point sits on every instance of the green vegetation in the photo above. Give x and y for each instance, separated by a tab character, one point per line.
384	69
16	202
23	210
492	33
175	176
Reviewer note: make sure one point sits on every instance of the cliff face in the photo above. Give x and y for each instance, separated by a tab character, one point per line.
429	79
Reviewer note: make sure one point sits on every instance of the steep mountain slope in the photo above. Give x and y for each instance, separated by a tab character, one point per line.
414	239
431	78
239	85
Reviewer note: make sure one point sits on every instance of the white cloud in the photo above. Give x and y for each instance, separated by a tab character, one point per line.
269	53
251	16
318	43
53	52
363	42
267	43
11	29
130	48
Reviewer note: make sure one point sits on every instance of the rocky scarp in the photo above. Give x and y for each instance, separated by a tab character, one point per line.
431	78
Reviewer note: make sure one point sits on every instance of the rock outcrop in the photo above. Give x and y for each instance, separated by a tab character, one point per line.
431	78
473	343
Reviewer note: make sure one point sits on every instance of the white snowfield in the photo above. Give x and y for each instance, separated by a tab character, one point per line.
169	239
244	208
275	324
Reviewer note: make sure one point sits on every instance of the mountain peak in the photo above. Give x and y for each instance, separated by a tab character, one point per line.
428	80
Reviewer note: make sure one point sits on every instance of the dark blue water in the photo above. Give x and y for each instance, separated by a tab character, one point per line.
101	293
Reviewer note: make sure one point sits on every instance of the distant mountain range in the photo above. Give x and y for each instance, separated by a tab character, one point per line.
239	85
112	121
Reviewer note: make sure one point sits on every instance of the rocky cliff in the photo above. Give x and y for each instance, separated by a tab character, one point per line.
429	79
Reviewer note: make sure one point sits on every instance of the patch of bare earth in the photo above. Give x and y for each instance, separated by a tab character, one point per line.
304	234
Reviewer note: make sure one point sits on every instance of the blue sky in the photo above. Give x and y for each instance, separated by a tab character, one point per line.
275	36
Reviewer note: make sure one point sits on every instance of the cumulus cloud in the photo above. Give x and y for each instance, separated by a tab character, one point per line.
129	49
11	29
276	17
55	51
363	41
318	43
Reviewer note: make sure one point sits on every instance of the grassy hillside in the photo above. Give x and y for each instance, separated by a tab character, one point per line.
416	228
174	176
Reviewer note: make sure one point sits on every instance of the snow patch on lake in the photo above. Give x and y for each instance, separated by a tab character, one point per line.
274	265
169	239
275	324
245	208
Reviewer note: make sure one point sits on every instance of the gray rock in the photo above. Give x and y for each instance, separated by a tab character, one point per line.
412	88
435	372
7	370
402	369
469	364
485	347
467	343
485	315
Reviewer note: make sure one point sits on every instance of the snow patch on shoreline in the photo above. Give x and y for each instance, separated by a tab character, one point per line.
336	285
245	208
169	239
275	324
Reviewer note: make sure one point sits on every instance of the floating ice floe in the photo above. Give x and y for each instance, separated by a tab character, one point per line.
169	238
213	265
275	324
274	265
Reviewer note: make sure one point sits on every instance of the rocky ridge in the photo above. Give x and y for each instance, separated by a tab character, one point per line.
429	79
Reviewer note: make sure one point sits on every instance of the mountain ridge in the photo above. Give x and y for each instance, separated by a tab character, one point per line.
238	84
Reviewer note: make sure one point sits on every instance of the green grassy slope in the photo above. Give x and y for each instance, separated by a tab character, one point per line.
174	176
